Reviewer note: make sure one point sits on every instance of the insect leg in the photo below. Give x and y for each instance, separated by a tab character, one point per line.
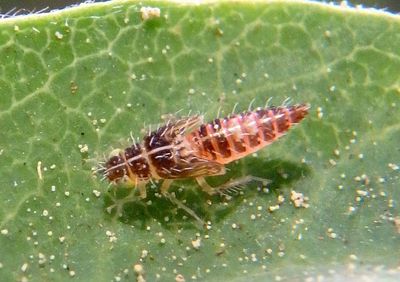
236	184
205	186
165	186
142	189
230	186
179	204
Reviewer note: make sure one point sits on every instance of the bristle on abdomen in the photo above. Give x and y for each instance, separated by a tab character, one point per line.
227	139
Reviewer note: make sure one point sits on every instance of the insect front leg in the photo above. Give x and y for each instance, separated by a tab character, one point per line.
165	186
142	190
231	186
137	184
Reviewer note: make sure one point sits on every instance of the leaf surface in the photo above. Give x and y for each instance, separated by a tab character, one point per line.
75	83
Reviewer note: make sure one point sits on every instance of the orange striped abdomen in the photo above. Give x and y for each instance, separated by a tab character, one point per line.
227	139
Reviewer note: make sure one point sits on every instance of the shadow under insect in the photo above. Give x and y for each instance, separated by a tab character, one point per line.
125	205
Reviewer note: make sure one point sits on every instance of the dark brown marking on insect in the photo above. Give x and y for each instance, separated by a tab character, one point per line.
282	122
242	135
138	166
237	137
222	142
259	124
212	133
287	117
265	125
229	137
196	139
298	112
114	169
251	132
272	121
207	145
162	159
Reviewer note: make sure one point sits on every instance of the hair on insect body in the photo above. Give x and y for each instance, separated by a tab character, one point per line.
190	148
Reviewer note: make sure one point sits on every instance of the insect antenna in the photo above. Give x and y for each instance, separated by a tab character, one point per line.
100	168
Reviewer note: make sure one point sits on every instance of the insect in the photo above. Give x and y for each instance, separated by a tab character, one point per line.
189	148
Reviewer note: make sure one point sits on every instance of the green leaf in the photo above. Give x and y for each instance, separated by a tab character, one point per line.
75	83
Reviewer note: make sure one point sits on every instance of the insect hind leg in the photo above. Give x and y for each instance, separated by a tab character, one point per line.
179	204
232	185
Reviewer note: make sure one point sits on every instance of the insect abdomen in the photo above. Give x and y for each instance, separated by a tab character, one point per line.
231	138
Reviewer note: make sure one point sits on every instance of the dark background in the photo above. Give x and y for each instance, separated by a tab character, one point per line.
27	6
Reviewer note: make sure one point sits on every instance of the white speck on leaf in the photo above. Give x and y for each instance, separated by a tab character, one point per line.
83	148
39	170
298	199
148	13
24	267
196	243
59	35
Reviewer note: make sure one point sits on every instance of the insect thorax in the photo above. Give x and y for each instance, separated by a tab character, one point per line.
169	155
